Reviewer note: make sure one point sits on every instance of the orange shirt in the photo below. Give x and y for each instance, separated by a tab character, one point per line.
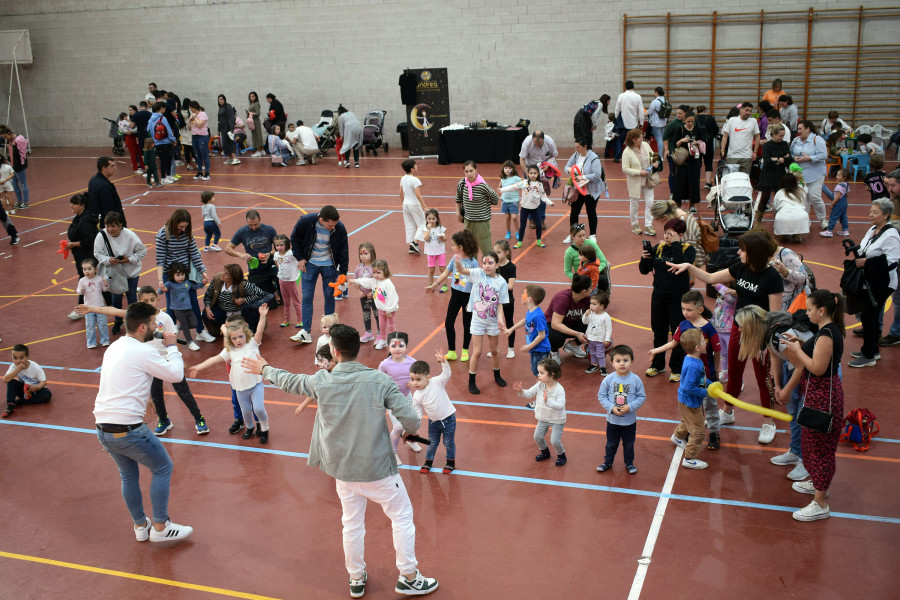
772	97
592	270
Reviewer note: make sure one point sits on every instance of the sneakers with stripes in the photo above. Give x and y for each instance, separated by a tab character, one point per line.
418	586
358	586
172	533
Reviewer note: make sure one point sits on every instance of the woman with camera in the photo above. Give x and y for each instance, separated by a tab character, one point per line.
119	247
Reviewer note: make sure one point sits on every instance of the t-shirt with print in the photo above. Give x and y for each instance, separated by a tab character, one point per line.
93	289
740	136
240	379
434	245
535	322
33	375
256	242
459	281
409	183
321	252
874	181
713	345
488	293
754	288
363	272
562	304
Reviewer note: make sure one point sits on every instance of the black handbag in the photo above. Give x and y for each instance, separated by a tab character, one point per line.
815	419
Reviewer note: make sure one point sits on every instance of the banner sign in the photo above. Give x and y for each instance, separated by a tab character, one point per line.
430	113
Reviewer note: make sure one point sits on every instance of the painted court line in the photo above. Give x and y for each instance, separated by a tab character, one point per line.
494	476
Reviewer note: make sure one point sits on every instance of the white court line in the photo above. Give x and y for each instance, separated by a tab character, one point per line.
644	561
32	243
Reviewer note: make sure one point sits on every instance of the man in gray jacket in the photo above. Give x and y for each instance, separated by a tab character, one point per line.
351	443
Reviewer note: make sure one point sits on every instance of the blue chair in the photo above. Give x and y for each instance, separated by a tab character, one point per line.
860	163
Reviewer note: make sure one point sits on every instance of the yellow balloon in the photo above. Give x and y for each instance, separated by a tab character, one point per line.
717	391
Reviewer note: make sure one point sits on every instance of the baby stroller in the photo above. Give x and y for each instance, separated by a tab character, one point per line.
373	132
734	207
327	130
117	138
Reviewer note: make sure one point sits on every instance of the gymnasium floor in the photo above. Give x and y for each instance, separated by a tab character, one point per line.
502	525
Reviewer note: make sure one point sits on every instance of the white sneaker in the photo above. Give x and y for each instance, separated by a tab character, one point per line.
231	135
824	223
575	350
138	172
488	354
812	512
142	534
74	316
593	238
725	418
302	336
693	463
414	446
510	353
179	163
804	487
256	154
788	458
766	433
678	442
193	346
568	240
205	337
172	533
554	356
235	162
380	344
798	473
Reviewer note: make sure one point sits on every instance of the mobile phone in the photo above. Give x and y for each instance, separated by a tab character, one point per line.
647	246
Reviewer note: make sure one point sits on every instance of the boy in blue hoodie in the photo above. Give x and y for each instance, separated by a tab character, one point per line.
164	141
691	393
621	394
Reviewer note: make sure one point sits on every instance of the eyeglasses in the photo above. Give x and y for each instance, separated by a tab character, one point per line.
578	227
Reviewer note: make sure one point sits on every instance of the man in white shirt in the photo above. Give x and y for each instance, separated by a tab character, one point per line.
304	141
537	149
630	108
740	138
150	98
833	122
128	369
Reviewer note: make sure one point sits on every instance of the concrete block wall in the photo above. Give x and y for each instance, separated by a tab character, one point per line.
507	59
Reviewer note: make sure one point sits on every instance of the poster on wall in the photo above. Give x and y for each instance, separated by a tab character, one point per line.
430	113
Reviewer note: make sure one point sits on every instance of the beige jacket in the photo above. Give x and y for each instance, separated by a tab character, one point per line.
631	166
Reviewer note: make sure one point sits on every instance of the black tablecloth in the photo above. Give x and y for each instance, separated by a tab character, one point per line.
481	145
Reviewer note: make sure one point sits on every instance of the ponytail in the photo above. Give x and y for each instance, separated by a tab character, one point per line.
833	304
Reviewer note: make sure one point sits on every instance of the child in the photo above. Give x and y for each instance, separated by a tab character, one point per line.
621	394
211	221
537	333
465	250
288	273
723	317
867	145
589	266
533	194
92	286
489	291
599	332
326	323
874	179
397	366
150	162
240	342
507	270
692	310
386	299
691	396
363	271
839	206
509	176
413	205
6	176
180	290
434	235
610	135
549	409
430	398
324	359
238	423
25	381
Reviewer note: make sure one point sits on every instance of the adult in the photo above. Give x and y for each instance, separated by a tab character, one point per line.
319	243
687	175
276	114
664	210
658	121
118	247
772	95
707	124
669	142
199	124
80	238
775	119
668	288
587	119
637	167
256	132
740	138
819	359
791	213
535	150
305	143
879	255
173	116
833	122
163	140
228	293
225	126
571	259
351	443
810	152
564	318
892	183
789	265
135	152
756	283
103	197
128	369
474	198
629	112
788	111
141	120
276	146
258	240
17	148
175	243
351	130
150	96
591	179
776	157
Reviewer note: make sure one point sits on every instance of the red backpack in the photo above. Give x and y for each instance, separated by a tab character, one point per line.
859	428
159	132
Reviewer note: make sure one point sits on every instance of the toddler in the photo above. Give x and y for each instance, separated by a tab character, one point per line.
25	381
92	286
839	206
6	177
691	395
288	274
621	394
150	162
211	221
180	290
326	323
386	299
366	301
549	409
590	266
413	205
397	366
599	332
430	398
509	176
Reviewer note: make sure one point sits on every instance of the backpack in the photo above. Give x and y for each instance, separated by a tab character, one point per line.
159	131
665	109
859	428
590	107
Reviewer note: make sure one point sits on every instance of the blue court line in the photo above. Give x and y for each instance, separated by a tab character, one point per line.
498	477
388	213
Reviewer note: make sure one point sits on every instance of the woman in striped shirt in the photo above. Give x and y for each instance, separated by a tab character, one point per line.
474	199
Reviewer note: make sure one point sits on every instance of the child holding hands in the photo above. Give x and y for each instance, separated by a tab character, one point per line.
430	398
549	409
92	286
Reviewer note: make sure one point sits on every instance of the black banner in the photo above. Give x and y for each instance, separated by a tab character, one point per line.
430	113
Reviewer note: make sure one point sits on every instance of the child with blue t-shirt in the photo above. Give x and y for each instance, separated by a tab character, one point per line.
691	395
464	245
510	199
621	394
537	333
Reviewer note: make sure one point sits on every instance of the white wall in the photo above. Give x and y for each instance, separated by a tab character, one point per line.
507	59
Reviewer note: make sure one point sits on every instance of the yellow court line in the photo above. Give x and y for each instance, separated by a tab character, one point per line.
126	575
222	187
823	265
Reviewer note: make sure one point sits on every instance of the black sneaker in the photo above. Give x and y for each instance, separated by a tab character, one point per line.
419	586
358	586
236	426
858	332
592	369
413	249
529	405
116	328
247	434
14	240
713	443
889	340
603	371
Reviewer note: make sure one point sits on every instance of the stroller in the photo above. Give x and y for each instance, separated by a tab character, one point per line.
373	132
117	138
734	207
327	131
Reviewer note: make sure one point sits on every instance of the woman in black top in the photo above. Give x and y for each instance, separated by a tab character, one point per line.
757	283
82	233
276	114
707	124
687	176
776	155
816	365
226	127
668	288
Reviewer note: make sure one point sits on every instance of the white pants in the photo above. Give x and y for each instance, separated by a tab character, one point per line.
390	493
635	202
413	219
814	197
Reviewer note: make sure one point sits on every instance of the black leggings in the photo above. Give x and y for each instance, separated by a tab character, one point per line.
355	154
165	159
184	392
368	307
558	338
526	214
458	301
590	204
665	316
508	310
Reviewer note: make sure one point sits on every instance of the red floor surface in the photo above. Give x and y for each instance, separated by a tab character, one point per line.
502	526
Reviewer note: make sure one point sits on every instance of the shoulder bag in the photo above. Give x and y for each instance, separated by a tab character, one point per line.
118	281
815	419
680	156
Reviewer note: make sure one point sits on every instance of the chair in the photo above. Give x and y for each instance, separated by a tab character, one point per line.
830	162
860	163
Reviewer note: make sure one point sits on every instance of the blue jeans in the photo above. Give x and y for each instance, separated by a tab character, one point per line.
445	428
200	144
140	447
537	357
212	232
130	295
793	409
308	281
20	180
93	322
658	136
839	213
